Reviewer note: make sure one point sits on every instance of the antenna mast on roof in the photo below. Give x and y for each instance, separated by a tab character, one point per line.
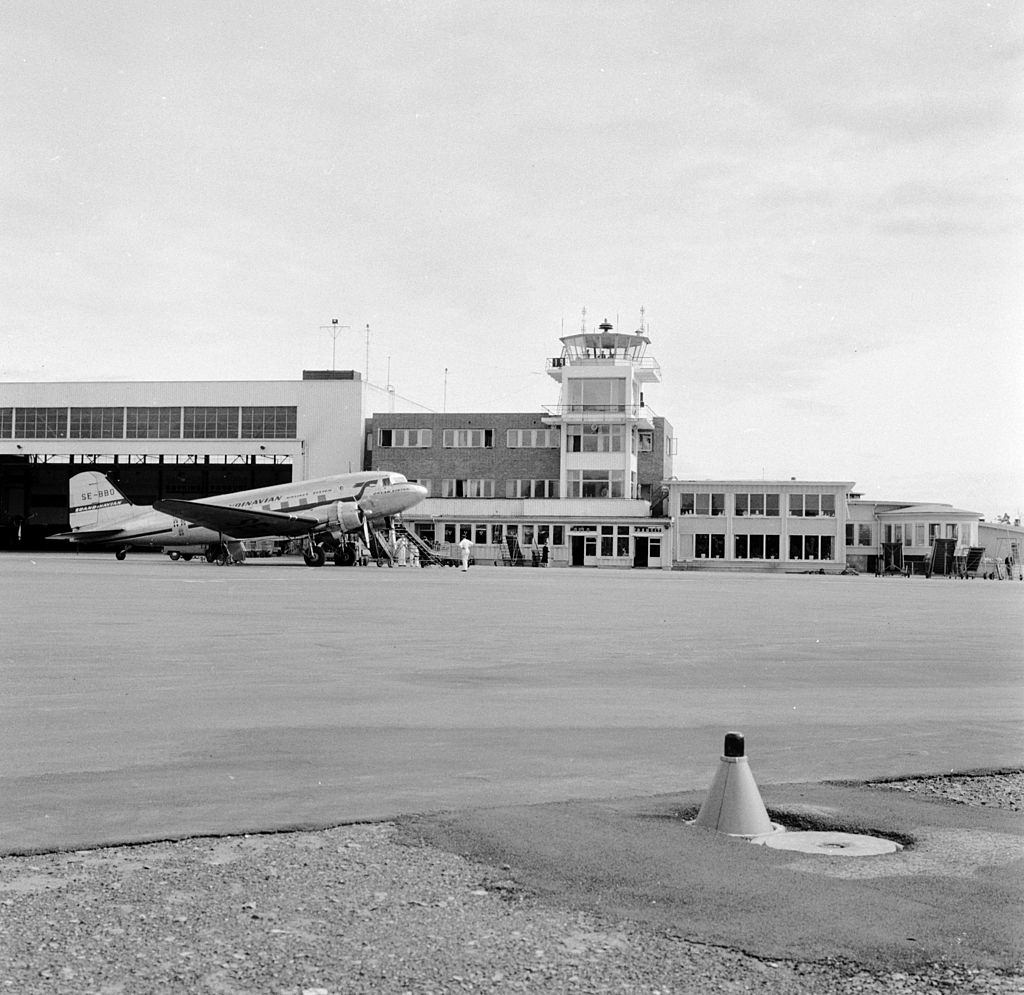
335	329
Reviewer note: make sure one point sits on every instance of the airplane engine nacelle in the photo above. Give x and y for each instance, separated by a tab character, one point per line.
347	516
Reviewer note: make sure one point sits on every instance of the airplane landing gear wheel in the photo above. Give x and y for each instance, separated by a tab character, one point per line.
314	555
344	556
121	554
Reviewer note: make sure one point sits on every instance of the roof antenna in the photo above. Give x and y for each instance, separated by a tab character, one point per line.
335	329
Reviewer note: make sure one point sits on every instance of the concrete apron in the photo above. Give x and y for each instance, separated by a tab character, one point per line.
953	891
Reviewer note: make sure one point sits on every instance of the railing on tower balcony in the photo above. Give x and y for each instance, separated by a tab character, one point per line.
601	412
646	364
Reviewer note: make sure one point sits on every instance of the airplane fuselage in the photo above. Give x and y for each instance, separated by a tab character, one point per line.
335	503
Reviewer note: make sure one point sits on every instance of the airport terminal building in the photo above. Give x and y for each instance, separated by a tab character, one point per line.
587	482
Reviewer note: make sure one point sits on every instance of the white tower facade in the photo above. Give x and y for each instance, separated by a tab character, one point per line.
601	410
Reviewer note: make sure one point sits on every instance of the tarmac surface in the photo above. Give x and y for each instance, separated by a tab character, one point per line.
562	721
953	893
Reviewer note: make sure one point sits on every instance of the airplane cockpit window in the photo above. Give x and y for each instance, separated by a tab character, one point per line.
386	482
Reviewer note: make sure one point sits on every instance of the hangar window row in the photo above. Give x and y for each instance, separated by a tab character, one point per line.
200	422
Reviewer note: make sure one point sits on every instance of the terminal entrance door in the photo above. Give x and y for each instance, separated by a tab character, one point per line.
578	549
640	551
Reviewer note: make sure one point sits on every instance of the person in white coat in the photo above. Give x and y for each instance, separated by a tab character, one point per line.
465	545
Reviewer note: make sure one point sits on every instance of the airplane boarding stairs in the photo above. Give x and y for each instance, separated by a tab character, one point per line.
428	555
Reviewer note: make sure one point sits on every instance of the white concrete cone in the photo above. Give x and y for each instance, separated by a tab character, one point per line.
733	804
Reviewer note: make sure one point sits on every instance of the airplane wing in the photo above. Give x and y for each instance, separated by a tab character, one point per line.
92	535
239	523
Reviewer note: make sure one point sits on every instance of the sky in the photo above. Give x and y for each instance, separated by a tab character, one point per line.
818	206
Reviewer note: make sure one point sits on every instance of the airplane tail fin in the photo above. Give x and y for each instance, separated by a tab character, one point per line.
94	501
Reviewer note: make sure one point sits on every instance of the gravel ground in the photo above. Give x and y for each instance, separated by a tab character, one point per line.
349	910
1005	790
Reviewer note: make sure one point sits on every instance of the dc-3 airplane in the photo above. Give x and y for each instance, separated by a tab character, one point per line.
322	511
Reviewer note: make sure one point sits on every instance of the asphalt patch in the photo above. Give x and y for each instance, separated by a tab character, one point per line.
955	893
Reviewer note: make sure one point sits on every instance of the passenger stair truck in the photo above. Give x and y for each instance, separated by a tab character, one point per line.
380	547
428	555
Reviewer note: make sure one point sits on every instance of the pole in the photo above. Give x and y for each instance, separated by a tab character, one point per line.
335	329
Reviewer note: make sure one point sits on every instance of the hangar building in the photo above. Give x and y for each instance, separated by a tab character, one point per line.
173	439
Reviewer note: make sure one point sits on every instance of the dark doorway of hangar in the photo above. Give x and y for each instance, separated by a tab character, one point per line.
34	495
640	551
578	550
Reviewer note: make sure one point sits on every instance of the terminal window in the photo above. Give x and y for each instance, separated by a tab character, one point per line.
532	438
97	423
812	505
405	438
269	422
597	394
468	438
757	505
6	422
40	423
615	540
709	546
468	488
210	423
152	423
757	547
702	504
594	438
531	488
595	483
810	547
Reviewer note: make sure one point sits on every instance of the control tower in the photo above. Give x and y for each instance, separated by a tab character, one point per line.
601	412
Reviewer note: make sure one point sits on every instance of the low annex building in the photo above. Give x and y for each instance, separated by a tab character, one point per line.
912	526
758	524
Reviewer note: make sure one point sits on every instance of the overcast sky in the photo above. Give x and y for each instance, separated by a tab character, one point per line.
819	205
